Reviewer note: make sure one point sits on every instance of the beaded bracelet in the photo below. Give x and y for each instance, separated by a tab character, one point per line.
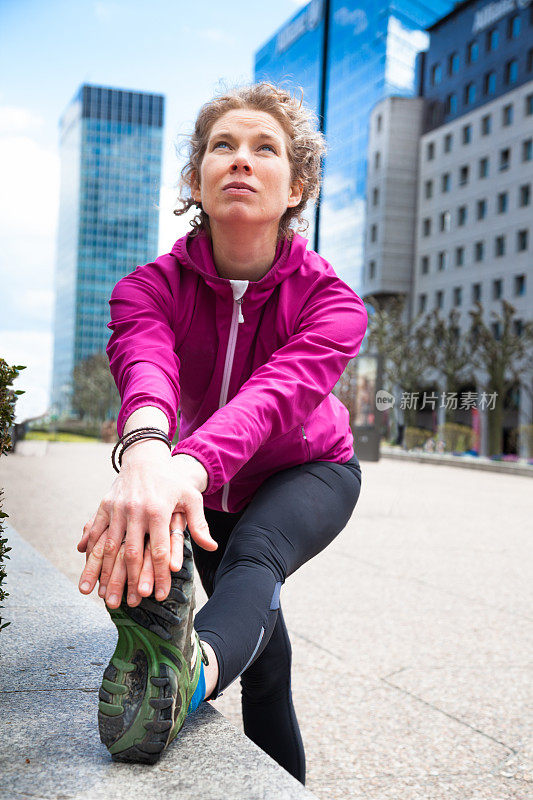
137	434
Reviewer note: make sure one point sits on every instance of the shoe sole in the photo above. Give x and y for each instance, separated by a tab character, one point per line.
142	705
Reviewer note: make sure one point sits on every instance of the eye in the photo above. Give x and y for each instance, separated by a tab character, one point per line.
220	144
272	150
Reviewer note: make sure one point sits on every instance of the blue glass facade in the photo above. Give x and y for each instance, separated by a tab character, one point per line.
372	54
111	149
477	52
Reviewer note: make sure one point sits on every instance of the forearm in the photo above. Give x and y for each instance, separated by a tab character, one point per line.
150	416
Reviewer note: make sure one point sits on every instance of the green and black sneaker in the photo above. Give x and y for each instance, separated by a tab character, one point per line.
149	682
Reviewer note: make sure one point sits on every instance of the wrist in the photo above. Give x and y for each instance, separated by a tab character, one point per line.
145	448
196	469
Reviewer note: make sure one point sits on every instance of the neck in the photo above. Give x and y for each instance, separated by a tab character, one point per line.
244	254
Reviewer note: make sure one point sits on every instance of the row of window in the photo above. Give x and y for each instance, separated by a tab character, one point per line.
488	85
501	205
479	251
492	38
504	163
476	296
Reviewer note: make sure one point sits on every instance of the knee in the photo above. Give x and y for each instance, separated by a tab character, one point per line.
251	546
269	677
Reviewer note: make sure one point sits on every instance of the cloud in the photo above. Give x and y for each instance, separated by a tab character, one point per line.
105	12
14	120
356	19
34	351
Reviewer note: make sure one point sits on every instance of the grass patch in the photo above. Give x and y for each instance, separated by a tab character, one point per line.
59	436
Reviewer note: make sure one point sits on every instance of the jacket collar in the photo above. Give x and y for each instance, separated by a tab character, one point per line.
196	253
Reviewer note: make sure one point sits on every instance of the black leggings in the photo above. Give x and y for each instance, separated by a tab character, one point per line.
293	515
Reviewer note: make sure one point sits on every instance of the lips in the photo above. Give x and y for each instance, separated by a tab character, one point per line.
239	185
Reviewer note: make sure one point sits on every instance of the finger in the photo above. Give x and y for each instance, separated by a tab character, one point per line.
101	522
158	527
178	522
117	581
196	522
82	544
146	578
133	556
115	537
92	568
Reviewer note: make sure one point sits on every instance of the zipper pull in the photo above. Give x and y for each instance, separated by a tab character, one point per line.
239	301
303	432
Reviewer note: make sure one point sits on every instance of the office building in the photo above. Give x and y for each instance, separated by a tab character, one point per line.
111	149
371	53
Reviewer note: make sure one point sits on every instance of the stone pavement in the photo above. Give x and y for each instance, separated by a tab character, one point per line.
412	680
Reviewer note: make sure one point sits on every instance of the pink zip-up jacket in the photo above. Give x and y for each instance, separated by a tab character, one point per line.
250	364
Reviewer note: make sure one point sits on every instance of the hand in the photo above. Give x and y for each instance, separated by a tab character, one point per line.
151	487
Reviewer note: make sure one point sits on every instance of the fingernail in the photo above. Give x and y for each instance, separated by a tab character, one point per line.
85	586
131	599
102	590
113	599
160	594
145	587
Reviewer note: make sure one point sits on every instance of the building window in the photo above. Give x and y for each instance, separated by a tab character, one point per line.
421	303
457	295
529	105
430	151
445	221
483	167
375	197
451	103
489	83
459	256
479	251
371	270
377	159
373	233
491	40
439	298
461	215
496	332
521	240
486	124
436	74
524	195
463	175
518	327
481	209
505	159
502	202
529	61
470	93
428	189
527	150
445	182
511	71
497	289
507	115
519	285
378	122
513	27
442	260
453	63
448	141
476	292
467	134
426	226
472	52
424	265
499	246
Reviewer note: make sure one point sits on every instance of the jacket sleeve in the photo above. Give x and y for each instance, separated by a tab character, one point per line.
141	351
281	393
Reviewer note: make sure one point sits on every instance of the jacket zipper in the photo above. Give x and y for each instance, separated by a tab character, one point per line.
306	441
236	318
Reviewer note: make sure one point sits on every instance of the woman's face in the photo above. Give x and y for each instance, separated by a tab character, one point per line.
247	148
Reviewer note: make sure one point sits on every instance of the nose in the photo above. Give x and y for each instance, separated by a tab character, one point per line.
241	162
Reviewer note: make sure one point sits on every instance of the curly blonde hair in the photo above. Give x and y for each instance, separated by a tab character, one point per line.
306	147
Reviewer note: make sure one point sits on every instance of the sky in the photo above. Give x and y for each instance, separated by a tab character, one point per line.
47	50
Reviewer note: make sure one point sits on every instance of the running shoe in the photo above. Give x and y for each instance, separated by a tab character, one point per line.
149	682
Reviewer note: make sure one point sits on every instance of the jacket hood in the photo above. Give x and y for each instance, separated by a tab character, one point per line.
196	253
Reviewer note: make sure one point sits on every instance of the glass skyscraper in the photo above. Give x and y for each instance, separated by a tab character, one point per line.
111	149
372	51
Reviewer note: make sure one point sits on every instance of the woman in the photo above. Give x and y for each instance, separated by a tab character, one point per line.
247	332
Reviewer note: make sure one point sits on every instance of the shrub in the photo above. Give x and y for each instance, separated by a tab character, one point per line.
457	438
416	437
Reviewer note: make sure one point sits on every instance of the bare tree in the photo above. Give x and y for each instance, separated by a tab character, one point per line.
503	355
